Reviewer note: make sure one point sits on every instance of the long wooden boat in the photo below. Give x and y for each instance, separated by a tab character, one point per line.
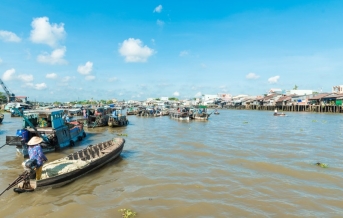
65	170
179	115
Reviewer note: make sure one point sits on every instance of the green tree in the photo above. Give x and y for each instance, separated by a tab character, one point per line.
3	98
157	99
295	87
173	99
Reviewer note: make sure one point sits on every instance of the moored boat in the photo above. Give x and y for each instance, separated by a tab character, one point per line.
176	115
117	119
65	170
49	125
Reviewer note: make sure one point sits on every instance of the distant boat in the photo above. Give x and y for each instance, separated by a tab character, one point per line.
179	115
1	117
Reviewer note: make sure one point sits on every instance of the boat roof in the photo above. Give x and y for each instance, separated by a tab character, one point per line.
51	111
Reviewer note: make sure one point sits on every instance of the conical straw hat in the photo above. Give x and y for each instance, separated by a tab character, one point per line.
35	140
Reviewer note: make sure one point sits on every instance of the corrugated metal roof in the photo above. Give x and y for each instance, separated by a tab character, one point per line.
319	96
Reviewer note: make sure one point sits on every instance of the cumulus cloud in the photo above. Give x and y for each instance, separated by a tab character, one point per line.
45	33
9	36
160	22
25	77
176	94
273	79
113	79
133	50
85	69
39	86
51	76
158	9
8	75
252	76
197	95
183	53
66	79
56	56
90	77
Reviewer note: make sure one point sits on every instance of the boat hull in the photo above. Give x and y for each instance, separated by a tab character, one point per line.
93	164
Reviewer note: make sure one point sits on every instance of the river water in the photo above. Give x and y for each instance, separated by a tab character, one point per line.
237	164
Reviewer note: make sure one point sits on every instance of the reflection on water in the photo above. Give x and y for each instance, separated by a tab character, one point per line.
239	163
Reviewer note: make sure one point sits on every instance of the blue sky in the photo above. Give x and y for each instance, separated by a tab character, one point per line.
70	50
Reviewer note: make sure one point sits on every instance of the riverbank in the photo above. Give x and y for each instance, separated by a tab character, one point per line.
291	108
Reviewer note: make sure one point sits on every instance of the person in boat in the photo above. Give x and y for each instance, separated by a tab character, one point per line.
178	109
275	112
36	152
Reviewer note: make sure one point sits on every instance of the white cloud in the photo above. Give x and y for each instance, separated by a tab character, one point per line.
8	75
51	76
39	86
66	79
158	9
25	77
133	50
90	77
9	36
252	76
46	33
85	69
160	22
176	93
56	57
183	53
113	79
197	95
273	79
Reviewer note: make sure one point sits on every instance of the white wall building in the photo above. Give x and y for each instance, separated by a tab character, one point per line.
337	89
299	92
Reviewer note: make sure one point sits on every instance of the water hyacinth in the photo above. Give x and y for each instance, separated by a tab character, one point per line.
323	165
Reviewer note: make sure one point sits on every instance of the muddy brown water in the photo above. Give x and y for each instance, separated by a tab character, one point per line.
237	164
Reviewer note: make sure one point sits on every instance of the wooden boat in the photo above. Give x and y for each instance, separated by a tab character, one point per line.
199	114
97	117
279	115
179	115
131	111
49	125
118	120
65	170
1	117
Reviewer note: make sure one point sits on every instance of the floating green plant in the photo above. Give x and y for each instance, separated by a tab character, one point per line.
245	122
127	213
323	165
121	134
314	120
